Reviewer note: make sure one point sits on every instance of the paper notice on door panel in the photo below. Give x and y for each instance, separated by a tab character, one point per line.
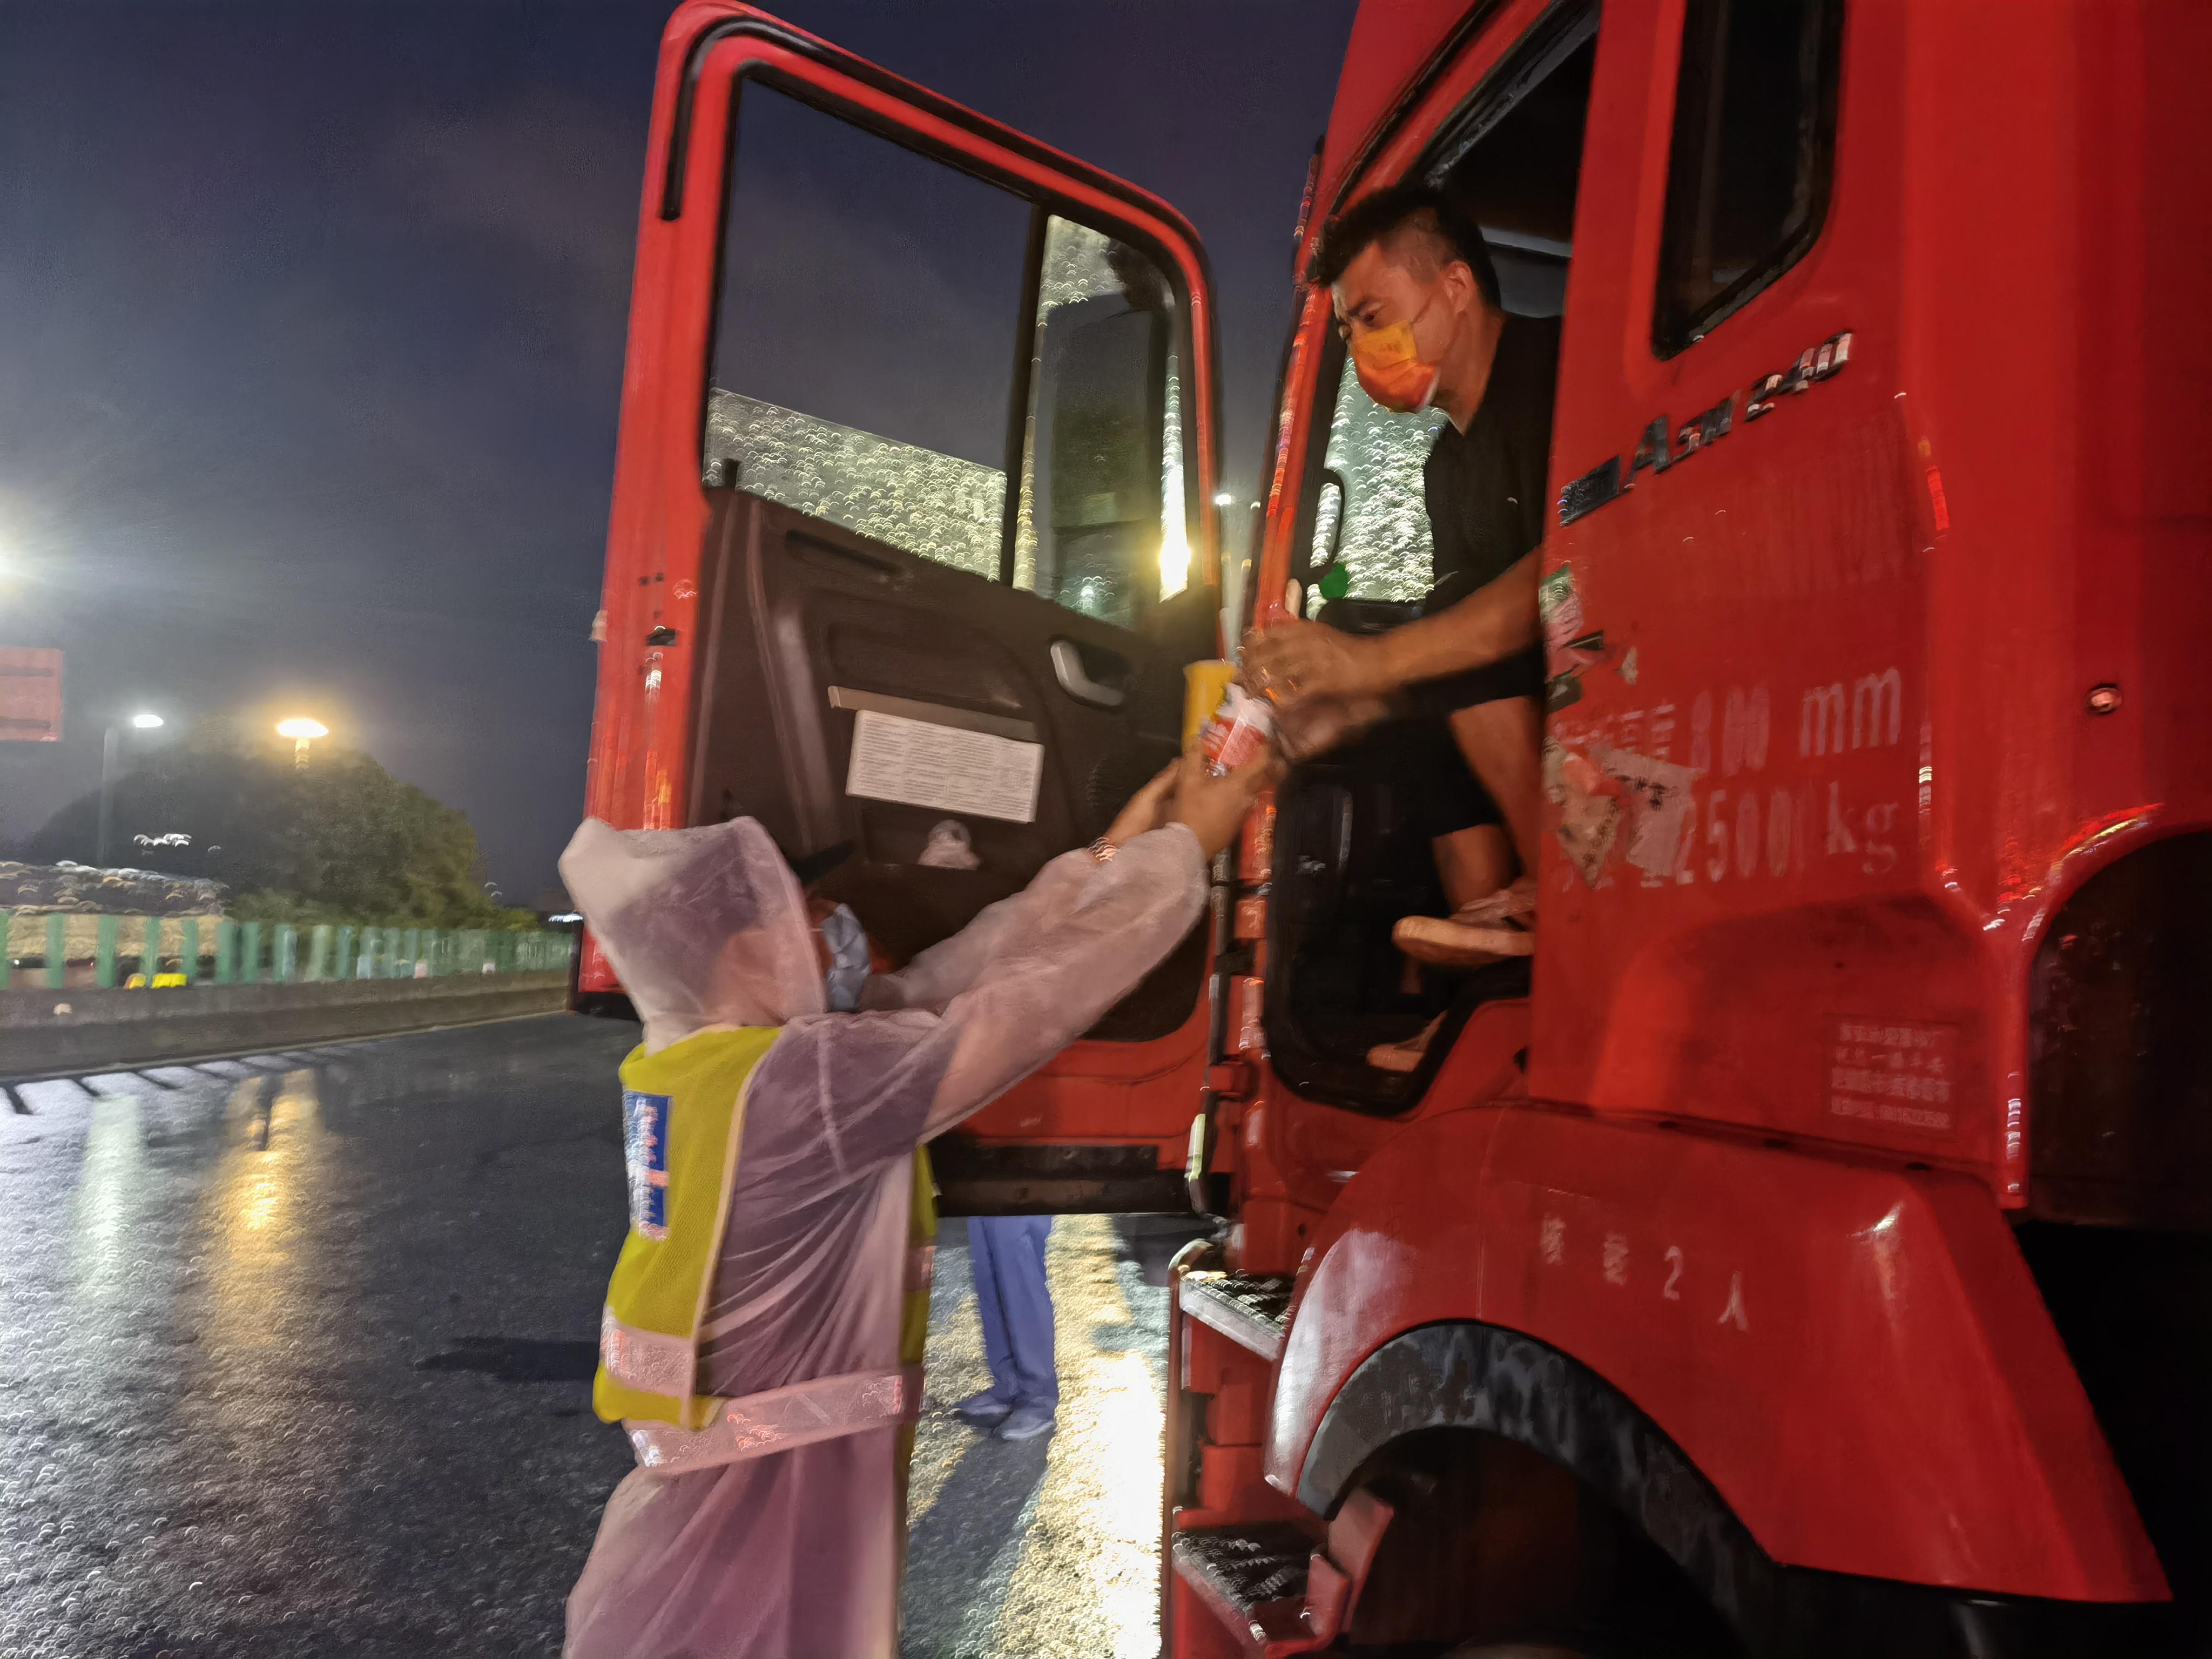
920	763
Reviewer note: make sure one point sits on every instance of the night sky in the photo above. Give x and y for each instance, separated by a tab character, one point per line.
310	331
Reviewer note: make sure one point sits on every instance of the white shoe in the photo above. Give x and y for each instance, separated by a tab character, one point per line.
1404	1056
1489	930
1516	903
1443	943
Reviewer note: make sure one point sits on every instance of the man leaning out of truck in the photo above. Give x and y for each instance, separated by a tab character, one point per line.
1416	299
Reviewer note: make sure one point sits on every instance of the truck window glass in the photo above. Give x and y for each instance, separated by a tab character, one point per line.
1102	527
1386	550
864	338
1753	150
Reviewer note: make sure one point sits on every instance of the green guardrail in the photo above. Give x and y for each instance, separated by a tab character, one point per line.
38	951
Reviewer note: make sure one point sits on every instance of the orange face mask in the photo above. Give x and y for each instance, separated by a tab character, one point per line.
1390	370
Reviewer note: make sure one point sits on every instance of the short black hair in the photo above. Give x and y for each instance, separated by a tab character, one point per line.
1411	204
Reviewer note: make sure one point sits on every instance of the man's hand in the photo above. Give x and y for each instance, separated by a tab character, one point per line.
1295	660
1212	807
1314	726
1147	809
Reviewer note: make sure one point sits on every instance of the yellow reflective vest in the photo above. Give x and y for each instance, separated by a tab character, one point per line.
684	1113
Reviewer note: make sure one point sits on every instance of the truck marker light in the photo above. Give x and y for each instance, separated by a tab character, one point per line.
1935	502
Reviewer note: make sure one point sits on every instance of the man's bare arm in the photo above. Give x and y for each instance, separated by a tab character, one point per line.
1306	659
1487	626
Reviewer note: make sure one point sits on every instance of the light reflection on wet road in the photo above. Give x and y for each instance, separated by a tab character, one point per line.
1048	1548
295	1355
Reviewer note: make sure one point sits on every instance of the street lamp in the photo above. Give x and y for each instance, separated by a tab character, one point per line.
110	750
302	733
1223	498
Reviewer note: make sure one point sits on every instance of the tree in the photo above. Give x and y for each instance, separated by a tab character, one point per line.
338	839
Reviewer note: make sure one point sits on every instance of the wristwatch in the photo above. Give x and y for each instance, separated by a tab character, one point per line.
1102	851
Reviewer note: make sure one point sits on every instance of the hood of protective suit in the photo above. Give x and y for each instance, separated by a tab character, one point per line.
707	928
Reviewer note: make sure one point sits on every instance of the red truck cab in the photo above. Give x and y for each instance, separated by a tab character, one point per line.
1813	1252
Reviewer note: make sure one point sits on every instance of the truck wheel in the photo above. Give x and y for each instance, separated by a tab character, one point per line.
1494	1552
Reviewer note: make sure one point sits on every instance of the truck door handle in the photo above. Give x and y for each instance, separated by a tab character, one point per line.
1075	677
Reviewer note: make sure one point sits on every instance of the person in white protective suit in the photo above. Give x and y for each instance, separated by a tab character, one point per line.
751	1340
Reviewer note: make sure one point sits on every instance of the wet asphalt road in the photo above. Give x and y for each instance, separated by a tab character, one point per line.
294	1359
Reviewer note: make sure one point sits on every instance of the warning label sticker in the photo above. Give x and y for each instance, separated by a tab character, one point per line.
1895	1072
921	763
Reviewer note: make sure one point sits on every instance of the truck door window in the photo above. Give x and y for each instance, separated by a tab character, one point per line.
865	336
1753	153
881	316
1102	526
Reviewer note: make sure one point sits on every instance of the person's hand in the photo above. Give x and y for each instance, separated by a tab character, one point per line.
1212	808
1295	660
1147	809
1314	726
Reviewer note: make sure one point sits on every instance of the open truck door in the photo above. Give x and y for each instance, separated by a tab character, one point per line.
912	537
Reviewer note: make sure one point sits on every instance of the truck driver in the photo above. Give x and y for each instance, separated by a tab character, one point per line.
1416	298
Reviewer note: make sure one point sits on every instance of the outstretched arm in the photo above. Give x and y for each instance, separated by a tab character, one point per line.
978	1014
1048	989
946	969
838	1093
1076	955
1303	659
942	972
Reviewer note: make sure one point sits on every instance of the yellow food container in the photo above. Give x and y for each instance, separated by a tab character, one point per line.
1204	686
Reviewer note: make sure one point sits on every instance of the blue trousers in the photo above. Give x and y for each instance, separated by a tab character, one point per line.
1006	1253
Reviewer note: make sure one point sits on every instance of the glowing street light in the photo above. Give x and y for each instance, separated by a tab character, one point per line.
145	722
302	733
1223	498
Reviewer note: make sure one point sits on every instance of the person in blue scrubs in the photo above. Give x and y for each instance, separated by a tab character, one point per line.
1006	1254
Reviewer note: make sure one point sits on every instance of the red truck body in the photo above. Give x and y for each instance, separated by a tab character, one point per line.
1740	1278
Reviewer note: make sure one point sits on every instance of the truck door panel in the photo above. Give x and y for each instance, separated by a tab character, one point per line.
812	628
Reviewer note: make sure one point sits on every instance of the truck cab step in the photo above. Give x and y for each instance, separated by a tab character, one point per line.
1273	1586
1252	1578
1250	1310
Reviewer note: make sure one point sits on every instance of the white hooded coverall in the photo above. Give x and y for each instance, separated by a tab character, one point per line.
792	1554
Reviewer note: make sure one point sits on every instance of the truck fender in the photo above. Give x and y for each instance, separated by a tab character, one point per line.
1838	1366
1498	1382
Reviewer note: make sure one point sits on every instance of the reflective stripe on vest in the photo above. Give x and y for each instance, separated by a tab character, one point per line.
646	1359
778	1419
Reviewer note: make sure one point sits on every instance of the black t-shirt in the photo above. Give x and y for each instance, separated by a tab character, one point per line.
1484	486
